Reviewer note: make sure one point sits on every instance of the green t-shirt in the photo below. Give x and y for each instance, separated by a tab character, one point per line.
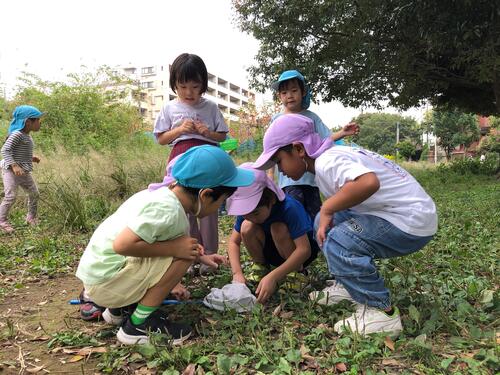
154	216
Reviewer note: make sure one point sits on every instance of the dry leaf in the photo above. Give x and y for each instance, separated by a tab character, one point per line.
42	303
341	367
41	338
189	370
389	343
76	358
211	321
286	314
390	362
34	370
304	350
278	309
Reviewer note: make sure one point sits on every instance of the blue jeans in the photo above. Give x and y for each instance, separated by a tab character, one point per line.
354	242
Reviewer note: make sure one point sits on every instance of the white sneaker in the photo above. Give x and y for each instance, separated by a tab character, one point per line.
110	318
368	320
331	295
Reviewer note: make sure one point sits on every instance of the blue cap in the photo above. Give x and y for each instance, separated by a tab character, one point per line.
291	74
20	114
209	166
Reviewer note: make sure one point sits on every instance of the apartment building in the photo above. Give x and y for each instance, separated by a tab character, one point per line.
155	91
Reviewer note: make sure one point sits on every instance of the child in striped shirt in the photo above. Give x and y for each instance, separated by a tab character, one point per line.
17	164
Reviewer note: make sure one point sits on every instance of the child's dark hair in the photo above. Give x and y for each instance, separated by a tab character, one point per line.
266	198
284	84
287	148
188	67
216	193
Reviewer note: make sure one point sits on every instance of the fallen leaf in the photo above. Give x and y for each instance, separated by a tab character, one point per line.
189	370
76	358
341	367
34	370
304	350
390	362
286	314
42	303
389	343
211	321
41	338
278	309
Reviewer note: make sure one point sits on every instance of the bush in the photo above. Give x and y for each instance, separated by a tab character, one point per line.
490	166
83	114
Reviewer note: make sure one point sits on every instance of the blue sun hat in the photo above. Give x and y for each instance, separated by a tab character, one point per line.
208	166
291	74
20	114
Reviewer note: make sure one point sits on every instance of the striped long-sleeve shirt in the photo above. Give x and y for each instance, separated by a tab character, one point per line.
18	149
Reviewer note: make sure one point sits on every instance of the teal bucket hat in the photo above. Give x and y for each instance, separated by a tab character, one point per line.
20	114
208	166
291	74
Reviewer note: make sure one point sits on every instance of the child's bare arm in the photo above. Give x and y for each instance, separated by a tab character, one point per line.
233	251
171	135
350	129
130	244
350	195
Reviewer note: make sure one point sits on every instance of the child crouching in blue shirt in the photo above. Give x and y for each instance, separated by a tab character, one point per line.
142	251
275	229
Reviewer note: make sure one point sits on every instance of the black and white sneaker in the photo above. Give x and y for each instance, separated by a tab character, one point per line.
131	334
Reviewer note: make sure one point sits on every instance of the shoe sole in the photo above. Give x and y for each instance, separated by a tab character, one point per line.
127	339
112	319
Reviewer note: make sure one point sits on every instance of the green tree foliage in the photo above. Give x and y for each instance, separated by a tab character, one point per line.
454	129
88	112
406	149
363	52
378	132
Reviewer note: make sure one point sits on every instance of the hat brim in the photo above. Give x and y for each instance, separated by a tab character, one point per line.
243	177
264	161
241	204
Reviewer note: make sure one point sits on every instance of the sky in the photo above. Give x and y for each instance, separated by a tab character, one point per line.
52	38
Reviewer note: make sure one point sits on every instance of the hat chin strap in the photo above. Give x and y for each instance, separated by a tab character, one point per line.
198	202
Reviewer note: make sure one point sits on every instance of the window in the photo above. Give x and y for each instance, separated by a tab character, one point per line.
148	70
147	85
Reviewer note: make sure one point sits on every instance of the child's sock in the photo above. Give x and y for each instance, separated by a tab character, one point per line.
141	313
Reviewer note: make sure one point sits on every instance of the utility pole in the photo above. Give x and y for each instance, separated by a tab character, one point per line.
397	140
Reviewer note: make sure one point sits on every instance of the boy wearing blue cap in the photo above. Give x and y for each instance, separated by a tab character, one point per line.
295	95
142	251
17	164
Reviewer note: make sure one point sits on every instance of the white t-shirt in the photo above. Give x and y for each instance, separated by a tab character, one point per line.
400	200
152	215
174	112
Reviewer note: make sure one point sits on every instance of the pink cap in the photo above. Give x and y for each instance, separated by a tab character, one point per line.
288	129
245	199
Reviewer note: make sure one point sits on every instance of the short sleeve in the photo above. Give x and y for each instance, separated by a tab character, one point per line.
237	224
219	122
321	128
296	218
342	169
163	122
155	222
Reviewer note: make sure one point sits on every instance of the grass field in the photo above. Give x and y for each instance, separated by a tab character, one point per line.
447	293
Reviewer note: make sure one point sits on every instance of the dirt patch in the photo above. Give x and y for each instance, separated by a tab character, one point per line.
29	318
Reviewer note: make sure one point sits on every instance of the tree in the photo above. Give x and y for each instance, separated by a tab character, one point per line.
454	129
378	131
364	52
406	149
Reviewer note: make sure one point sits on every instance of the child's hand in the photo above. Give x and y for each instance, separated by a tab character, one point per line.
18	171
325	223
180	293
214	260
239	278
186	248
187	126
266	288
350	129
35	159
201	128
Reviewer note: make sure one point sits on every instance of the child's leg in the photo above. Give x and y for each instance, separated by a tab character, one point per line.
254	240
10	184
282	240
209	233
353	244
28	184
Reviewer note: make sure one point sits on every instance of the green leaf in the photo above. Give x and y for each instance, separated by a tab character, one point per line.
147	350
414	313
486	296
446	362
223	364
285	366
293	355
